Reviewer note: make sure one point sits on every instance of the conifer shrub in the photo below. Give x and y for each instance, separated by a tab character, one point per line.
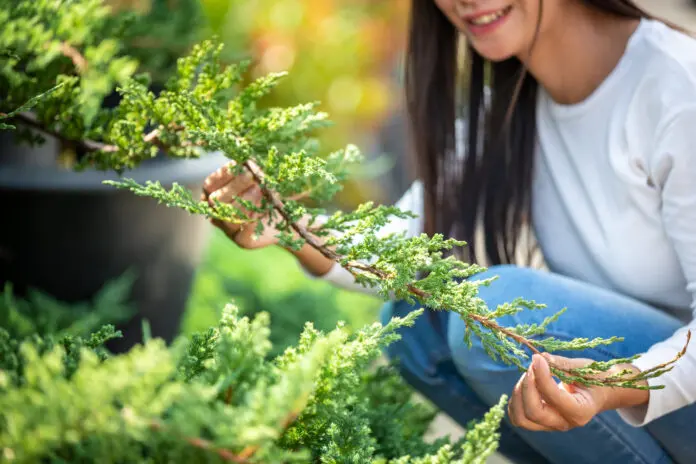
218	397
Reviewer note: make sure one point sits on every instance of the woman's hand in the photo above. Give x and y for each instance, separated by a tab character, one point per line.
225	187
538	403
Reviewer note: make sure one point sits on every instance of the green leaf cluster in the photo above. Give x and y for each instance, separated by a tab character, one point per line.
44	43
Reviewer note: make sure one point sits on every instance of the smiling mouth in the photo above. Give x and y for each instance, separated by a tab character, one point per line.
489	18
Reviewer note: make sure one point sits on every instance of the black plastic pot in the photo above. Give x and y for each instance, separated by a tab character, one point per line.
67	234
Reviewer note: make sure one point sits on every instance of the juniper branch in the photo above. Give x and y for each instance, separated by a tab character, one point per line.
586	376
30	120
274	147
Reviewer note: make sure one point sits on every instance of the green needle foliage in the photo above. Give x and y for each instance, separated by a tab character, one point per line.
41	314
216	397
72	43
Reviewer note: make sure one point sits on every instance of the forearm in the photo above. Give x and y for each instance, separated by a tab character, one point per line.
309	257
312	260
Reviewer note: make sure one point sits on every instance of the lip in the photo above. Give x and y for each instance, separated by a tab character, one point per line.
478	14
481	30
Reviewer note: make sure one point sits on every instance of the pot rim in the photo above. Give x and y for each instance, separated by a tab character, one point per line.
166	171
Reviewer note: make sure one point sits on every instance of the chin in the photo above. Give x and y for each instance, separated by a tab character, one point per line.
494	54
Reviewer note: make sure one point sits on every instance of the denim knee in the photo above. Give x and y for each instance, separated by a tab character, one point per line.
489	377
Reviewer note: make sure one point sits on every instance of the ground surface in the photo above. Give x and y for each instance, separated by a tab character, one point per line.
681	12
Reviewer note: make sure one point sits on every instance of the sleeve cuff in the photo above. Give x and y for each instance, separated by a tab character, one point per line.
638	416
661	402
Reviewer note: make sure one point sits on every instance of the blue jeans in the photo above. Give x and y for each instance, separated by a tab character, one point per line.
465	383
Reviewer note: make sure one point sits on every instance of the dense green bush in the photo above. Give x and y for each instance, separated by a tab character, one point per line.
217	397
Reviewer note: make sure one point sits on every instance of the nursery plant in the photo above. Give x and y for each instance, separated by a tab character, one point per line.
62	216
216	396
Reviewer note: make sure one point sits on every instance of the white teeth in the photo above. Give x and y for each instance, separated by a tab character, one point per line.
487	19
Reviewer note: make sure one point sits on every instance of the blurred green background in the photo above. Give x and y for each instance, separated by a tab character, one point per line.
343	53
270	280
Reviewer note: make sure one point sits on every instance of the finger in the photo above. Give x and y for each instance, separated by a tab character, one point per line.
218	178
560	399
536	410
252	195
564	363
516	410
234	188
228	228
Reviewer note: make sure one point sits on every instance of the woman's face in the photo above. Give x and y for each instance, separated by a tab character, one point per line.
500	29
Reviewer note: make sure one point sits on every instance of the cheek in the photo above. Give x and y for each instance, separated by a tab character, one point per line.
543	13
449	9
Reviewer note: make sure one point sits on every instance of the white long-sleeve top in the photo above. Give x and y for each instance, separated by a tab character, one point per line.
614	195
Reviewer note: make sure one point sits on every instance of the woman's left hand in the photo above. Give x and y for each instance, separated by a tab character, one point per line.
538	403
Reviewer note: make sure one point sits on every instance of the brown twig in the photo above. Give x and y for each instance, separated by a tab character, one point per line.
330	254
351	266
280	208
639	375
153	137
71	52
241	458
196	442
28	119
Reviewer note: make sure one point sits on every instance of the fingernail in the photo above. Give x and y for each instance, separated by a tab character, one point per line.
535	361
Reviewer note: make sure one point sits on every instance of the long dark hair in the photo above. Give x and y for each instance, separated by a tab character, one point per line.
488	193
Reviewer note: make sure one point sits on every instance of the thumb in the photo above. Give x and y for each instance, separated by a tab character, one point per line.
563	363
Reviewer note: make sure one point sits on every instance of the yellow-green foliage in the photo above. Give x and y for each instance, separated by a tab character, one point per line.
216	397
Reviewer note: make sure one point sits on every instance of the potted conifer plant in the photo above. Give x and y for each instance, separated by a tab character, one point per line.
70	234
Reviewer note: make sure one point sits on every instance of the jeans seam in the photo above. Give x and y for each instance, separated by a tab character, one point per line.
602	422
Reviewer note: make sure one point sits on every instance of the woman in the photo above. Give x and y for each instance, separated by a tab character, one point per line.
583	132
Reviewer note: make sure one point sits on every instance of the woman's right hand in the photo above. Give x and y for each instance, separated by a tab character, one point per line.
226	187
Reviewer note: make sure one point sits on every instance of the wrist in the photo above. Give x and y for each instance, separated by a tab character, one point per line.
617	398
